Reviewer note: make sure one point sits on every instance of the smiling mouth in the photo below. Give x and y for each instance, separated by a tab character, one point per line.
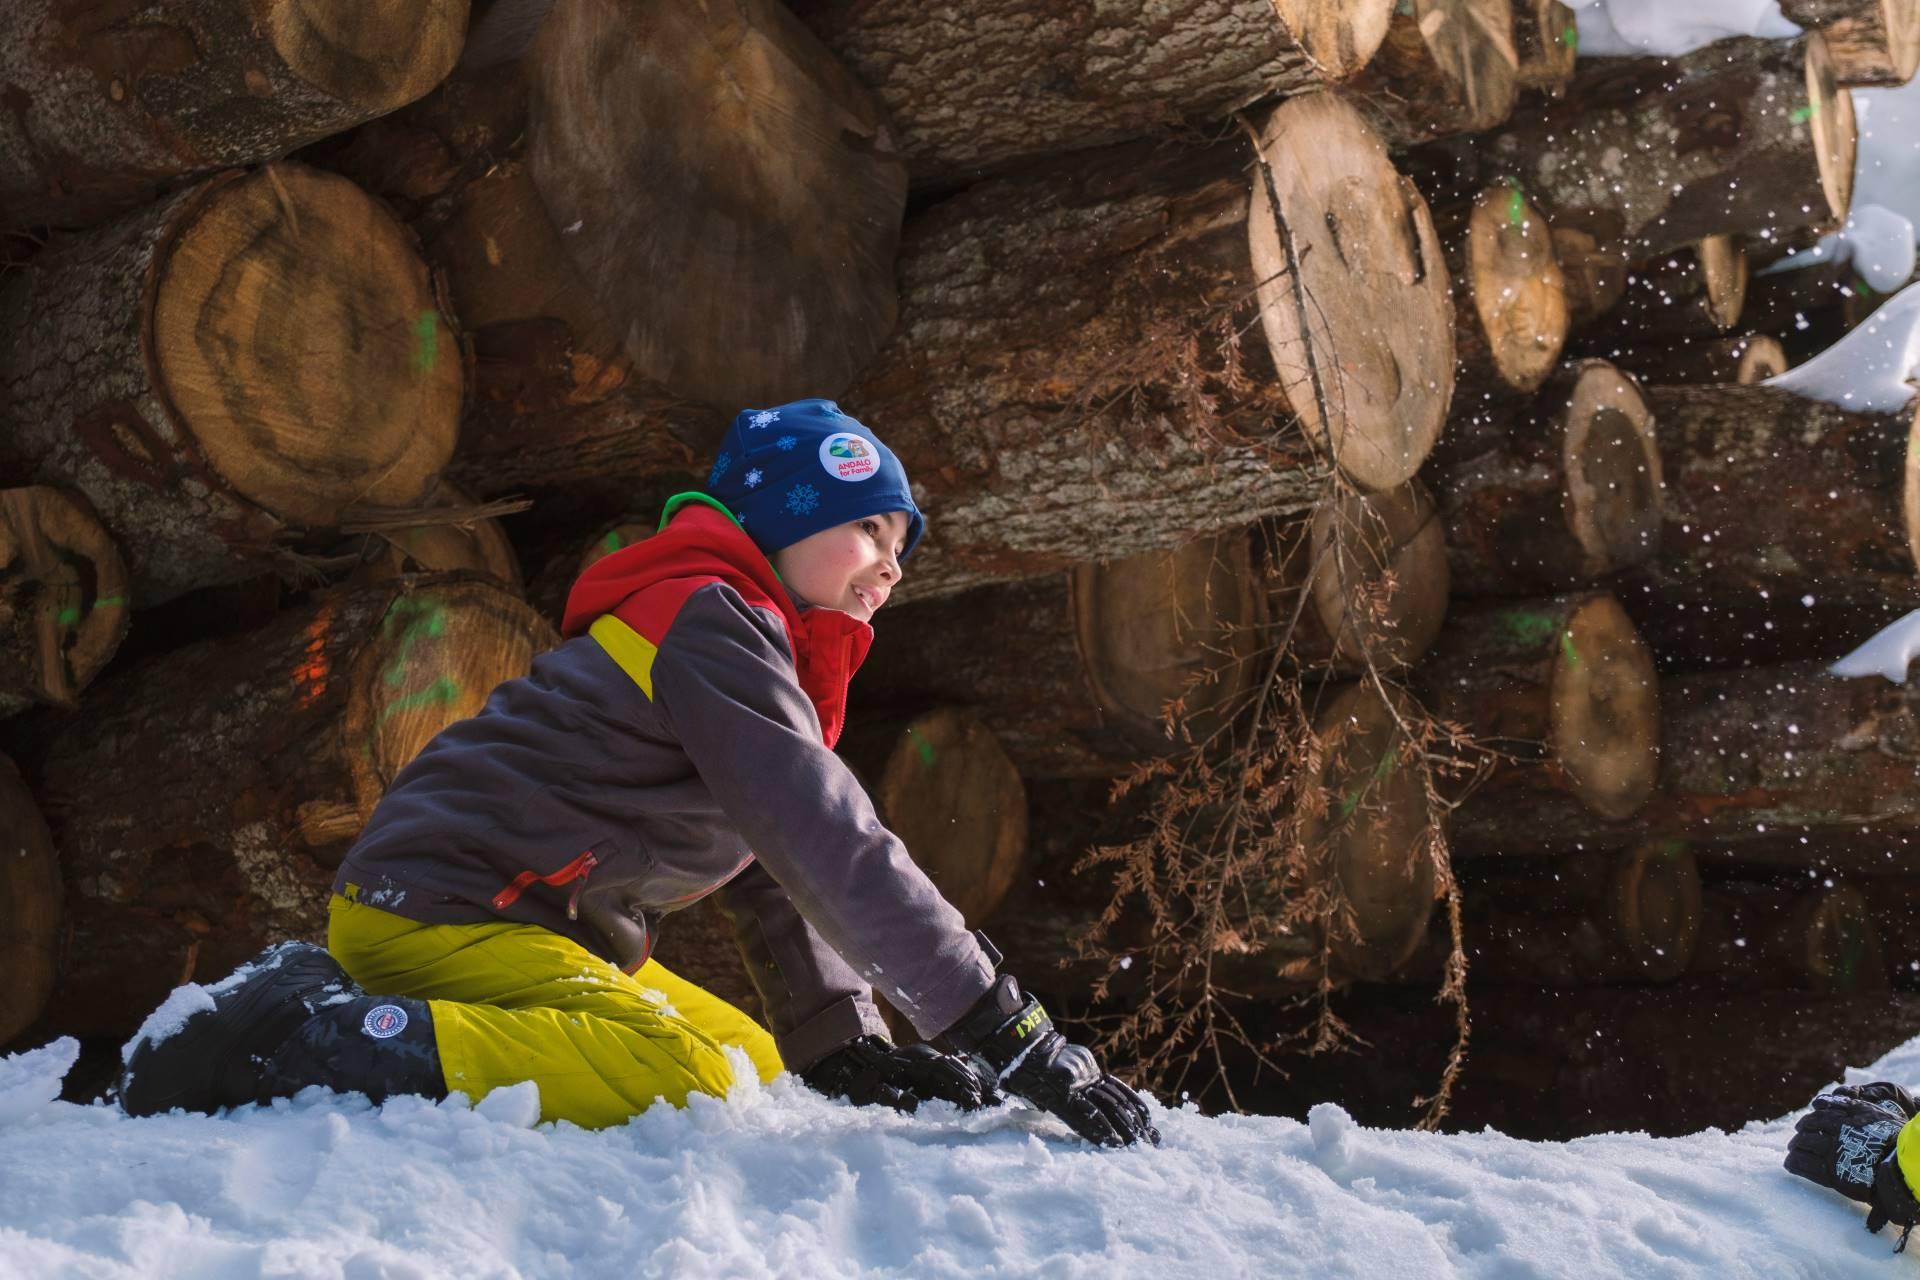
866	598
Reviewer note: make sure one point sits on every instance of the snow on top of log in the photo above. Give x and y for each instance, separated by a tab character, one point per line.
1878	242
1871	370
1610	28
1888	653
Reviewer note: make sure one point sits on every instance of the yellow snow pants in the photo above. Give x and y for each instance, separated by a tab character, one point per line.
514	1002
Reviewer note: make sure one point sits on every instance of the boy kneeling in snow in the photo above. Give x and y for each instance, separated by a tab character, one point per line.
505	897
1864	1142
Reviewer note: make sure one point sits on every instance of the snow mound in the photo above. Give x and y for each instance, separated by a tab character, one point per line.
1627	27
776	1181
1870	369
30	1081
1887	653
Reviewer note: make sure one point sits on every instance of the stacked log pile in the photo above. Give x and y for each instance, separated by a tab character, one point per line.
1382	351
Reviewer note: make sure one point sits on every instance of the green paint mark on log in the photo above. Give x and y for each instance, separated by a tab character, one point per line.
423	619
68	616
1516	204
1566	647
441	692
925	751
611	543
1800	115
1525	626
426	340
110	602
1570	37
1352	799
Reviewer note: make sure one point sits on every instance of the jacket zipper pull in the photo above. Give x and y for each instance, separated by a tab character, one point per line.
579	883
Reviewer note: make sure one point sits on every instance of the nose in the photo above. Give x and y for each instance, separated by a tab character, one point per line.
890	571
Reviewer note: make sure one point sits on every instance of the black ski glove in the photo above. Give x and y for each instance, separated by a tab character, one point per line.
1012	1040
868	1069
1846	1144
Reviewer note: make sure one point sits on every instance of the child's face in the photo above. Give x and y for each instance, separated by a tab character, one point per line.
852	567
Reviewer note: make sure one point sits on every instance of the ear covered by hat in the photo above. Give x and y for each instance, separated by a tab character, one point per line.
788	472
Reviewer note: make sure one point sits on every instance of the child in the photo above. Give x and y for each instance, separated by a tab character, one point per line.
506	895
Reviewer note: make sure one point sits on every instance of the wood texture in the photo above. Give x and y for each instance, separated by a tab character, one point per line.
30	898
238	364
1510	297
1574	492
978	89
1445	67
107	102
1742	360
1873	42
203	799
1112	358
63	597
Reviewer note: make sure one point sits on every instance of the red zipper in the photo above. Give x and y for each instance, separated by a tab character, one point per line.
575	870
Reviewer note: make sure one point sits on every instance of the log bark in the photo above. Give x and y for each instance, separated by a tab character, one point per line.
240	363
942	783
1546	43
1694	292
1595	273
1510	309
1445	67
1073	673
1598	919
1360	581
1567	687
1744	360
1873	42
1759	755
107	102
1771	500
1651	154
1078	374
29	906
1014	79
723	157
63	597
1576	492
1785	303
201	802
1773	937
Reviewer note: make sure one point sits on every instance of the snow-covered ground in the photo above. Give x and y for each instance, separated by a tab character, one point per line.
780	1182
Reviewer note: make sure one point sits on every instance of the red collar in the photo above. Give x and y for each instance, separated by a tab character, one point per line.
700	544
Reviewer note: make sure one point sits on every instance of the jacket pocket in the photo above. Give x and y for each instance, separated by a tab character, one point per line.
574	873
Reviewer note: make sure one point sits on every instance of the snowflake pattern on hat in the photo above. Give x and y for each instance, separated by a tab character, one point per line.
765	417
753	478
787	442
720	465
802	499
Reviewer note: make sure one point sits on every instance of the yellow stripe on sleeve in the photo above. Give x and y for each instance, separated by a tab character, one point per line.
633	651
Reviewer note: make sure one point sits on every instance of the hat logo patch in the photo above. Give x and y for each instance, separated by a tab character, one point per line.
846	456
384	1022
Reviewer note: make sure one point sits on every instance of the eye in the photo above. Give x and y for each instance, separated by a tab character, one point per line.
870	527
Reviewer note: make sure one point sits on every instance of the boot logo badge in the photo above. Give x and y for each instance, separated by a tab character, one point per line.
384	1021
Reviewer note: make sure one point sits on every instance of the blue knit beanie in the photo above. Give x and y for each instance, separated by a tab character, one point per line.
789	472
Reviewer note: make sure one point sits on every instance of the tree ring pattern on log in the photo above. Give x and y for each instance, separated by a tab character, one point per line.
1655	908
64	602
298	337
1606	700
1352	290
1518	290
1614	484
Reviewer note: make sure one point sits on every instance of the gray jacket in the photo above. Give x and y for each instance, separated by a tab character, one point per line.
677	743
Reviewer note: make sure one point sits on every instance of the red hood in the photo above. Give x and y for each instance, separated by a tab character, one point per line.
700	545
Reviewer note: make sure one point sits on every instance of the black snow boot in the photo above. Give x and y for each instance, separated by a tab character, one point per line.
279	1023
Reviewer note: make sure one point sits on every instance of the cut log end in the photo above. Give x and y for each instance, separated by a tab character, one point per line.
64	603
1614	489
1605	710
1595	274
441	650
1546	43
1374	835
1760	357
1169	628
29	906
1836	135
1655	908
950	793
1835	943
453	543
1519	292
1353	293
1340	36
1723	267
296	333
389	53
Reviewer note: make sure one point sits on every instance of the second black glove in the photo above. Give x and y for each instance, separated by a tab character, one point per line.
868	1069
1846	1143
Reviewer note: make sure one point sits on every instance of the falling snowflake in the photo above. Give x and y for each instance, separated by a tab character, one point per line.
752	478
802	499
720	465
763	418
787	442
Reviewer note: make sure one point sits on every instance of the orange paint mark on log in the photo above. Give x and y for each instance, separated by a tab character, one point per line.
311	672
